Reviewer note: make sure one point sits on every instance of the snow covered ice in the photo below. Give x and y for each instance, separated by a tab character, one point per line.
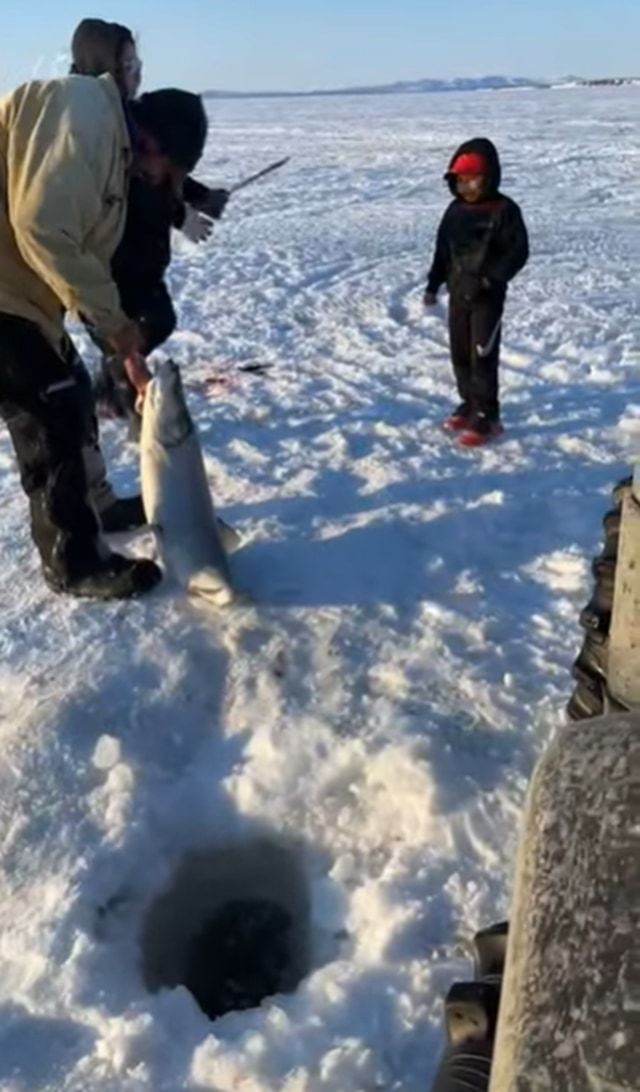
378	706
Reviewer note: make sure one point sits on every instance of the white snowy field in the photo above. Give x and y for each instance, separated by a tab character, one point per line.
378	707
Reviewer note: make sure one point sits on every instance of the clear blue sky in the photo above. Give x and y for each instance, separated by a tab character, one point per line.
252	44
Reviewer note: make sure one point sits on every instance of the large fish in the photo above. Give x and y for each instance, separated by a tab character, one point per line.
175	492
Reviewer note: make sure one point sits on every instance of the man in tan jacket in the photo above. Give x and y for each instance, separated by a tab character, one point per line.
67	151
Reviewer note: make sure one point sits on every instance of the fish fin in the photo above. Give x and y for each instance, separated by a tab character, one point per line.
230	538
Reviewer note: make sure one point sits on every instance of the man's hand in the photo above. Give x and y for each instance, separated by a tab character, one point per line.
128	340
196	226
139	376
430	299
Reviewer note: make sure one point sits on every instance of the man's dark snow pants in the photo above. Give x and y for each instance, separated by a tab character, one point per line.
474	332
47	404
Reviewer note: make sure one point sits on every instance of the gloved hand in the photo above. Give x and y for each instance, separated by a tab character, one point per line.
214	204
196	226
430	299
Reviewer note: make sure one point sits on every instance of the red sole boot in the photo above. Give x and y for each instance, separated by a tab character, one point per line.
471	437
458	420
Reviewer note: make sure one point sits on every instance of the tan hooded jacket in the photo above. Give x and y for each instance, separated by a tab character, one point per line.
65	154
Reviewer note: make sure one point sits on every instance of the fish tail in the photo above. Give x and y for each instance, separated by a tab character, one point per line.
212	586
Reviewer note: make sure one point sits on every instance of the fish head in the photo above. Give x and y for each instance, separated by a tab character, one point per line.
166	419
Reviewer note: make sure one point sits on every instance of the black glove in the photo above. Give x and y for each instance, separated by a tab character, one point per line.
214	204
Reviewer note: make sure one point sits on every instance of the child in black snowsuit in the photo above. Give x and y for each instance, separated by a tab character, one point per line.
482	244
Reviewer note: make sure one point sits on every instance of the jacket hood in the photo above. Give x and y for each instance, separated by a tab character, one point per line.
97	48
489	152
177	120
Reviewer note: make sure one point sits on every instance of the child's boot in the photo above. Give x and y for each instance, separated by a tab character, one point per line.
480	430
459	419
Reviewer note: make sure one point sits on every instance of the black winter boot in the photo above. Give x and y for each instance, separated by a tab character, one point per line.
126	514
116	577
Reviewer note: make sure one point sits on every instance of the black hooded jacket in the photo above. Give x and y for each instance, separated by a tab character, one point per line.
143	256
480	246
145	250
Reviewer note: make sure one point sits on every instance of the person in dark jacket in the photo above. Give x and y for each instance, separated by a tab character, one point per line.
142	259
482	244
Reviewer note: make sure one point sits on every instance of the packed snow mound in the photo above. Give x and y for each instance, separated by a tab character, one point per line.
375	707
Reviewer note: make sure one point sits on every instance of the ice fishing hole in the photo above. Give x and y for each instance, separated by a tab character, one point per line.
233	927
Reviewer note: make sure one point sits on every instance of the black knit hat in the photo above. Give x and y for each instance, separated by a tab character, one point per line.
177	120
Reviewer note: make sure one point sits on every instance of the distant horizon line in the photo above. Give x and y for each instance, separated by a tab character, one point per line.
427	84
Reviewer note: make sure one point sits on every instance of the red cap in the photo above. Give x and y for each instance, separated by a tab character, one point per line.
469	163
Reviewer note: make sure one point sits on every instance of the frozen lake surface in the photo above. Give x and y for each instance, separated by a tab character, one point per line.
380	703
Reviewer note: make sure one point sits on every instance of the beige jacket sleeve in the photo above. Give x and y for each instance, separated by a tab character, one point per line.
58	190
